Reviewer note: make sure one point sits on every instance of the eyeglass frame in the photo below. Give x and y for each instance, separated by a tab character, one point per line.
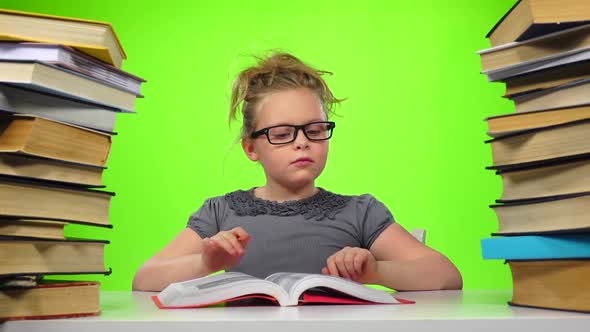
264	131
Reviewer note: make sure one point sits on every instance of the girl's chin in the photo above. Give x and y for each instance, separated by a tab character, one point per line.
299	179
302	182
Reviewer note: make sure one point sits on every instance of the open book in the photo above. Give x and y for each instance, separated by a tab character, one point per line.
283	288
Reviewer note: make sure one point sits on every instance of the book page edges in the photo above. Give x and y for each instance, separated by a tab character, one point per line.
43	317
532	40
160	305
97	52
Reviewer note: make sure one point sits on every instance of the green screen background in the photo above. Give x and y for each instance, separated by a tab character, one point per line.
411	132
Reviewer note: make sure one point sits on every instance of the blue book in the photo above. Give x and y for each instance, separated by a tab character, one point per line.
537	247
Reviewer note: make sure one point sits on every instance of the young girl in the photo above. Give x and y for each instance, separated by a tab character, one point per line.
289	224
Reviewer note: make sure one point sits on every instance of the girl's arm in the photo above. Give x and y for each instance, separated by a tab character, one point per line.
404	263
179	260
188	257
396	260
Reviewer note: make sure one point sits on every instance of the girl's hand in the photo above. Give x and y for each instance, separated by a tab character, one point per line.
352	263
224	249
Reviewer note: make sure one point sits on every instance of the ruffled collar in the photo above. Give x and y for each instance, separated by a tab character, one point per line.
323	204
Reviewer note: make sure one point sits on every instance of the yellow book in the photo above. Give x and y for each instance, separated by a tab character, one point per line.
533	18
51	299
552	284
564	141
38	228
512	123
94	38
25	199
41	137
543	48
59	82
26	256
41	168
547	180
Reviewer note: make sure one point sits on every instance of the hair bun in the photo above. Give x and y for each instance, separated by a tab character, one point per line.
277	72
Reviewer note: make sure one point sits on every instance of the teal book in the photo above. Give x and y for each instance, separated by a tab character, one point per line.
537	247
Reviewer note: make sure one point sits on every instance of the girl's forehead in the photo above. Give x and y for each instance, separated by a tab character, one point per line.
290	106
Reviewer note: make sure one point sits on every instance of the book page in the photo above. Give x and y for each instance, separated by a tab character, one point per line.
216	289
295	284
5	103
218	281
286	280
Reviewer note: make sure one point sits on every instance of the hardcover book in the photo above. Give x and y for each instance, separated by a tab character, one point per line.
284	289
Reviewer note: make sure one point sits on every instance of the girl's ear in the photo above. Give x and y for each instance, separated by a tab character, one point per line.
249	149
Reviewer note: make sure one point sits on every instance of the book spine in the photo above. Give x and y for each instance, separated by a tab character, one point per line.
536	247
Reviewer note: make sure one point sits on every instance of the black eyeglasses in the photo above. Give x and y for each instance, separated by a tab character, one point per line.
283	134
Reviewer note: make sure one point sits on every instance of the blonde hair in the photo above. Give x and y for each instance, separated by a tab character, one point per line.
278	72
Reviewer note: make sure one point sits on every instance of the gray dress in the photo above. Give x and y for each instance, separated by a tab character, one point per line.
293	236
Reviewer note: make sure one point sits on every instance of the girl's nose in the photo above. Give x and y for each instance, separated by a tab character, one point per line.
301	142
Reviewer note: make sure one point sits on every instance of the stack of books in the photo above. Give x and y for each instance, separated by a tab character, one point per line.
61	88
541	51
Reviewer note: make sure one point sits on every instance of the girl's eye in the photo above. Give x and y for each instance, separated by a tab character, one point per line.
314	132
281	135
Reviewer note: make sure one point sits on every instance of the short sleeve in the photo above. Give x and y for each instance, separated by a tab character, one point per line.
205	221
374	217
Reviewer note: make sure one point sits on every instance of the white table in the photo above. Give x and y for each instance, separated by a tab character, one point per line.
436	311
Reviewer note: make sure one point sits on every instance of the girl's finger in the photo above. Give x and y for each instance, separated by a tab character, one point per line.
224	244
231	238
359	261
349	258
340	265
331	267
208	244
240	234
343	265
